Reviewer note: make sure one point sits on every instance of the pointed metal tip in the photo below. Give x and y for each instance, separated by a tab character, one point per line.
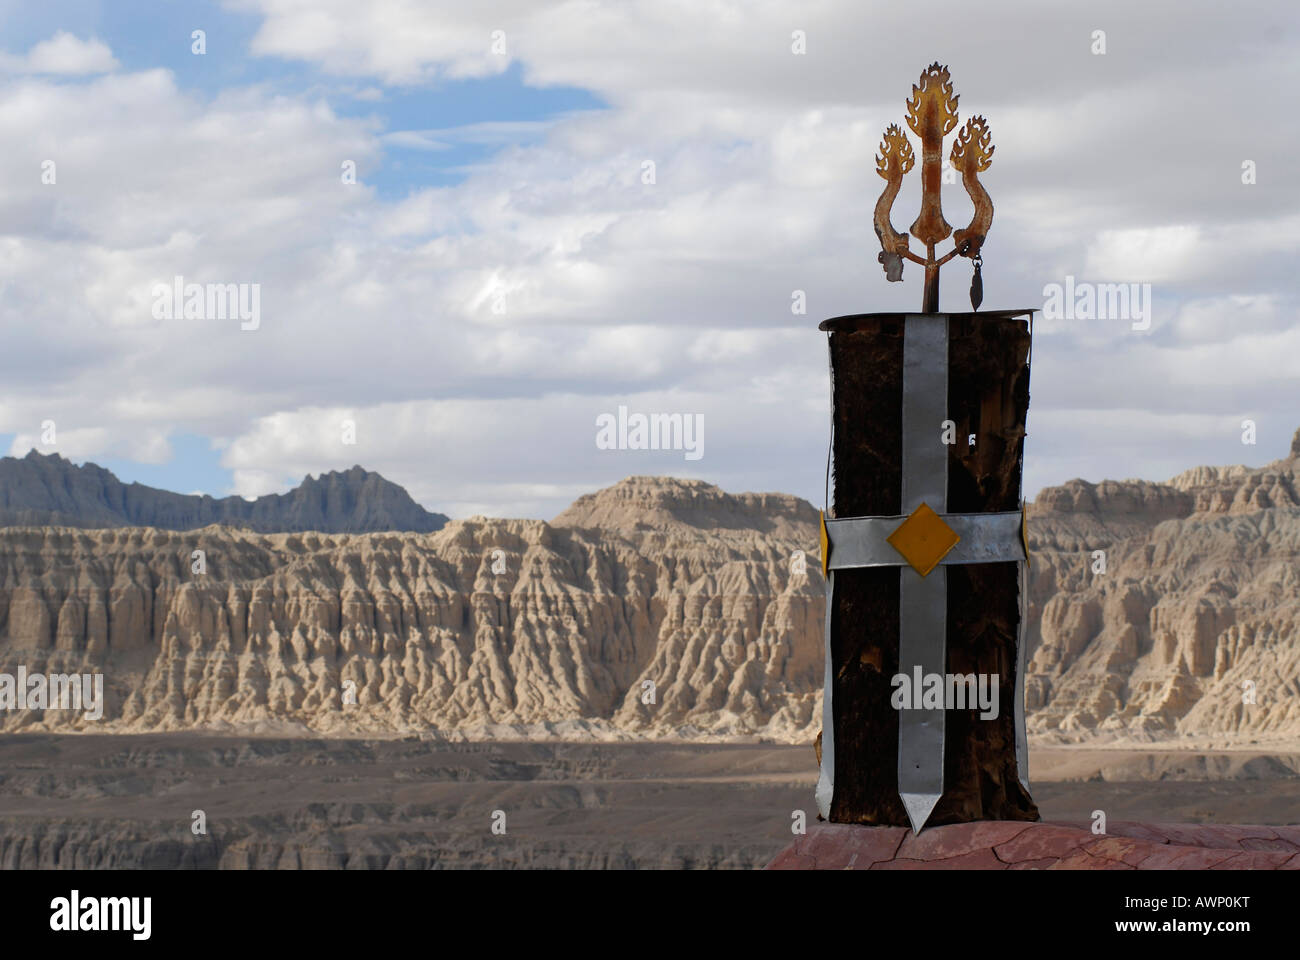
823	795
919	807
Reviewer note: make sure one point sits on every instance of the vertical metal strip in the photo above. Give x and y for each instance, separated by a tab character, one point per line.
1022	740
825	791
923	601
925	407
826	779
1022	635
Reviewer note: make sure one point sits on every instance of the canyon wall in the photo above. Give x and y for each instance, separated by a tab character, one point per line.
486	622
1192	630
653	607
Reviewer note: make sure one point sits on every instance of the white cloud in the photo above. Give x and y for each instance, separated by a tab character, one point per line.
144	445
396	41
415	140
1225	318
62	54
1145	254
673	296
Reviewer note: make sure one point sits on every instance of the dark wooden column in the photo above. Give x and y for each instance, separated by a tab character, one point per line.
988	395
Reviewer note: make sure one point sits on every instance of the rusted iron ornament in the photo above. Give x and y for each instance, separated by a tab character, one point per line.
932	115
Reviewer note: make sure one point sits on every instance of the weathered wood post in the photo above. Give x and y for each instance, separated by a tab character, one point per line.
924	548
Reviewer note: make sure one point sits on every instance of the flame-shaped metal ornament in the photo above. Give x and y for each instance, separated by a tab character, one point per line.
932	115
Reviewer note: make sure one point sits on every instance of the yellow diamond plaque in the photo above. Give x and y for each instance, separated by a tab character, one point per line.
923	539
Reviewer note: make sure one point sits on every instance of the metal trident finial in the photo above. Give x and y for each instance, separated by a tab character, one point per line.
931	115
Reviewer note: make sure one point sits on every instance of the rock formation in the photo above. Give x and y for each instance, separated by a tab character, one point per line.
1193	628
41	490
655	606
648	621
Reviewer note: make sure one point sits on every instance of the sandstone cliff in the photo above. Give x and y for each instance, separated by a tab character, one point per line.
1193	629
484	622
513	627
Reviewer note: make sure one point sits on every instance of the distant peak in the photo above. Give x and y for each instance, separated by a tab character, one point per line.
356	471
675	503
661	486
34	454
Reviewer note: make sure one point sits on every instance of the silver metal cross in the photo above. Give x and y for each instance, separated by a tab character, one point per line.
863	542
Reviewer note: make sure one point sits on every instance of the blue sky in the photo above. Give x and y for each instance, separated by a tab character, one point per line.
146	35
614	207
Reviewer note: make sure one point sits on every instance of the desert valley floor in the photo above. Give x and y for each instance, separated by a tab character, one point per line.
129	801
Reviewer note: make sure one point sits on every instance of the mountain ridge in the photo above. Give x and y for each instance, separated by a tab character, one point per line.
49	490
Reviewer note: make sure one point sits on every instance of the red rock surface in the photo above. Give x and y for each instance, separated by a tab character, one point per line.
1008	845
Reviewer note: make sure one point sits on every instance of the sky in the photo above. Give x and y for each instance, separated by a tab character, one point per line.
474	232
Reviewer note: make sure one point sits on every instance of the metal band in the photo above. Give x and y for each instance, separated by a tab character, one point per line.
923	601
826	778
923	620
985	538
925	407
825	791
1022	740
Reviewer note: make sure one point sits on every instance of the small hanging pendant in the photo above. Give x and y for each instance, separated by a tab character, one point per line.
977	286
